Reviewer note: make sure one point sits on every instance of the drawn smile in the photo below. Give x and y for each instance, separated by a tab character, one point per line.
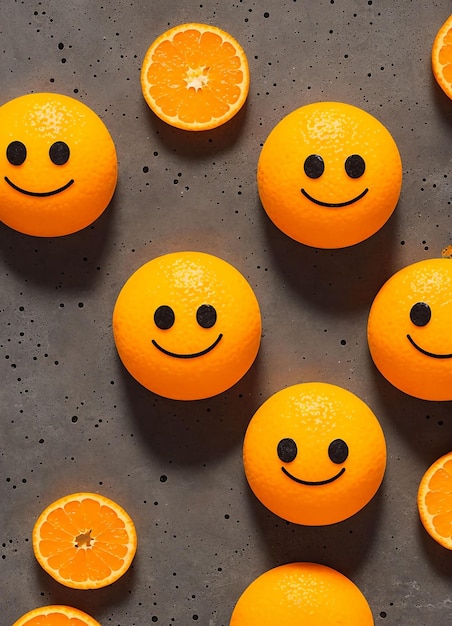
39	194
188	356
432	354
313	482
334	205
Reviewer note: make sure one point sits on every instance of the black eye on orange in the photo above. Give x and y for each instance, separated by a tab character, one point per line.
59	153
355	166
287	450
420	314
314	166
338	451
164	317
16	153
206	316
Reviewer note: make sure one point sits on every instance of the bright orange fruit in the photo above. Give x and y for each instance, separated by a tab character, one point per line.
187	325
56	615
302	594
84	541
442	57
329	175
408	329
58	165
434	500
314	454
195	76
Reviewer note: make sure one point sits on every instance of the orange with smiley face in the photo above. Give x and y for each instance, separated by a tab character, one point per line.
187	325
409	329
58	165
314	454
329	175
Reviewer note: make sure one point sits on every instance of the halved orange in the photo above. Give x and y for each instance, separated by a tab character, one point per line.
56	615
434	501
442	57
195	76
84	540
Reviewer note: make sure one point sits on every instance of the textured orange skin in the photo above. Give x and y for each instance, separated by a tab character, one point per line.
56	615
39	120
409	370
185	281
313	415
302	594
434	501
334	131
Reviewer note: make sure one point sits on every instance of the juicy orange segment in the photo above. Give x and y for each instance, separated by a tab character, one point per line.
442	57
84	541
56	615
435	501
195	77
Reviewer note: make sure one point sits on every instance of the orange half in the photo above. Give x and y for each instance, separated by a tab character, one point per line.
84	541
442	57
195	76
56	615
434	501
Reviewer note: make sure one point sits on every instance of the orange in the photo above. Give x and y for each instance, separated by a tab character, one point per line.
442	57
329	175
84	541
56	615
302	594
409	326
314	454
58	165
195	77
434	501
187	325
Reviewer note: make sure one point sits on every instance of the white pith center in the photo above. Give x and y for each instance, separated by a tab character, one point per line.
196	78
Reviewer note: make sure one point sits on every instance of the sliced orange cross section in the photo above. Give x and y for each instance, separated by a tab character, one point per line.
195	76
56	615
442	57
84	541
434	501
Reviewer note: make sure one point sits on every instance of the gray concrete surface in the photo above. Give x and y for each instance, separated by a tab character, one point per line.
73	419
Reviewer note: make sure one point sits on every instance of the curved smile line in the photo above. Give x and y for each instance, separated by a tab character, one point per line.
188	356
39	194
313	482
334	205
432	354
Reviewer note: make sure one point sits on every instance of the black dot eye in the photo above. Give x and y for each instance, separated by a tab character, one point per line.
338	451
59	153
16	153
314	166
287	450
164	317
420	313
206	316
355	166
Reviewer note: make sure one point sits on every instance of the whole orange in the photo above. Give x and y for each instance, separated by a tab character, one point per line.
58	165
314	454
329	175
302	594
187	325
409	326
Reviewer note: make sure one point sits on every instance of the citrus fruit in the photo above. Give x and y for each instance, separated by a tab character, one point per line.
434	500
302	594
329	175
56	615
195	76
408	329
187	325
442	57
84	541
314	454
58	165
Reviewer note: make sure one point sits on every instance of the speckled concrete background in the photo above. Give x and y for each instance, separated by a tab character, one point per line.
73	419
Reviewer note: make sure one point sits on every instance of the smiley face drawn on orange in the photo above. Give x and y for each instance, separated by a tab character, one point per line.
329	175
314	454
408	329
58	165
187	325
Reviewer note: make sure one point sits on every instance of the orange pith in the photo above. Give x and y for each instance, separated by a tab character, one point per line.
195	76
302	594
442	57
434	501
84	541
56	615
